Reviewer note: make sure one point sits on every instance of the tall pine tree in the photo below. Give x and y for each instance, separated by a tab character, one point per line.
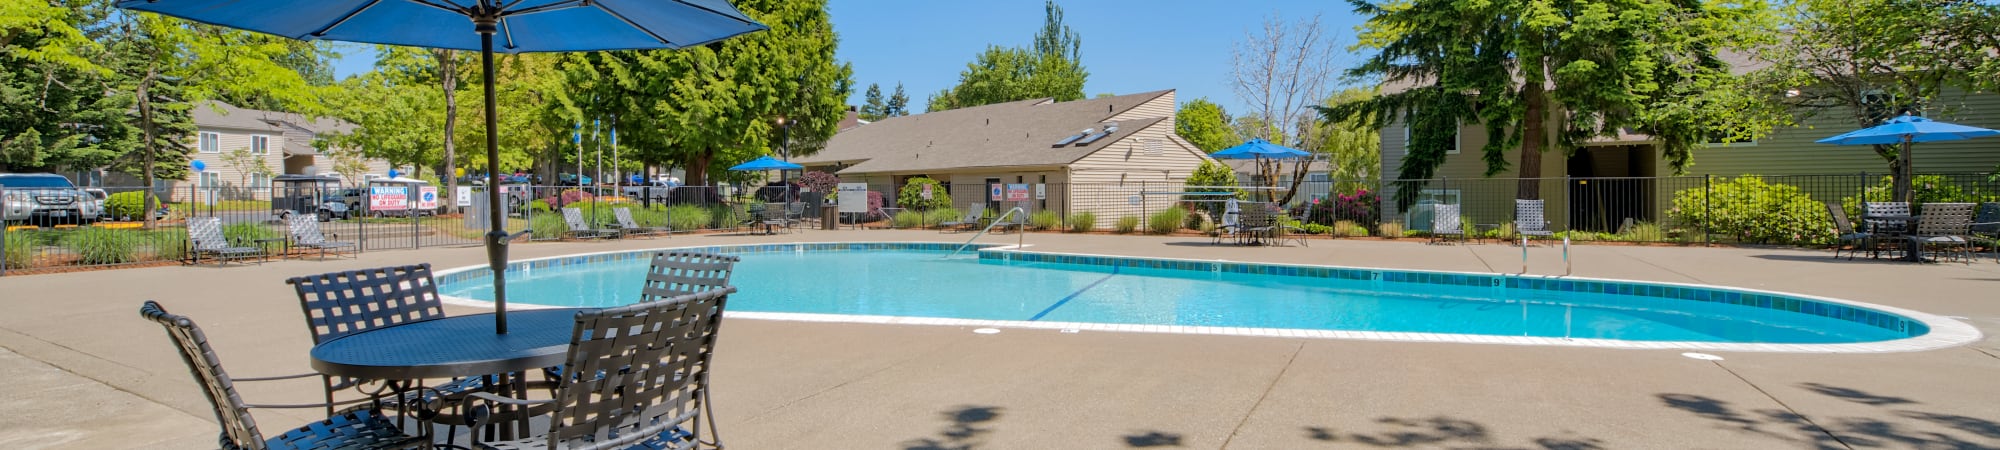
872	108
899	103
1052	67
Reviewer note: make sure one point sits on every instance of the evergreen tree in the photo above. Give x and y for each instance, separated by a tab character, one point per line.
1052	68
872	108
899	103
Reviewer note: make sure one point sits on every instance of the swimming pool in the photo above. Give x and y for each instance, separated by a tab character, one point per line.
915	283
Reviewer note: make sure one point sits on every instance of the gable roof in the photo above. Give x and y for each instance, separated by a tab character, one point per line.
214	114
1012	134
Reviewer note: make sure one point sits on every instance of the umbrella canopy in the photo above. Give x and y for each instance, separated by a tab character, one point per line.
1908	129
522	26
1259	148
766	163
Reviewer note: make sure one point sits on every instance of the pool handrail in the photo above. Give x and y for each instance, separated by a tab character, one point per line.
1019	238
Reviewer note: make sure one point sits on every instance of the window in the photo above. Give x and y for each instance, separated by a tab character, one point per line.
211	180
1458	134
1419	216
1152	147
211	142
260	145
260	181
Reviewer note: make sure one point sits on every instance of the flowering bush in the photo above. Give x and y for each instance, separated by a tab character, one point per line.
820	182
1363	207
1750	210
567	197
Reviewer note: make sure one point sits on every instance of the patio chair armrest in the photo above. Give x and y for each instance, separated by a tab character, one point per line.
278	377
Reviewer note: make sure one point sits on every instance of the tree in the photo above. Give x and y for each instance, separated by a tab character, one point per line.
1280	72
1877	59
1206	125
349	163
1528	71
899	104
1052	68
1353	149
872	108
55	110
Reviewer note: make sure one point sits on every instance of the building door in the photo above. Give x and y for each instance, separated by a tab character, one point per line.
992	203
1610	186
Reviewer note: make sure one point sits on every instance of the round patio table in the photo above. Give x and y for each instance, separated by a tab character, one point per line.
458	346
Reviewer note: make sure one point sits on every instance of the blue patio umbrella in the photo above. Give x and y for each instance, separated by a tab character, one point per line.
765	163
1259	148
522	26
1908	130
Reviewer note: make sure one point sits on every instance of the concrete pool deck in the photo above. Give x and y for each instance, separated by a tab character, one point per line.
91	374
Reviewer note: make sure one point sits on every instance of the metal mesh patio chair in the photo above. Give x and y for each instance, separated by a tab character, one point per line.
1848	235
640	379
675	273
795	214
205	238
306	233
1946	225
1255	223
1530	219
338	304
363	428
1886	230
1986	227
973	212
1446	223
628	226
573	219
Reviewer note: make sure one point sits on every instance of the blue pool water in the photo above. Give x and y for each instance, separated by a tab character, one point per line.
919	283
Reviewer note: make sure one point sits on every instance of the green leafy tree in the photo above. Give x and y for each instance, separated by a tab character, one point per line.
1352	149
1876	59
872	108
899	103
1206	125
1527	71
246	165
55	110
1052	67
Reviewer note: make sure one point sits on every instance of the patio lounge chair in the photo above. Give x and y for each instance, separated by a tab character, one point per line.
659	352
1446	224
205	238
1859	239
363	428
1530	221
305	233
1986	227
573	218
1946	225
973	214
338	304
628	227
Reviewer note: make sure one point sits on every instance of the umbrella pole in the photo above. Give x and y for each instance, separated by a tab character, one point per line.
496	240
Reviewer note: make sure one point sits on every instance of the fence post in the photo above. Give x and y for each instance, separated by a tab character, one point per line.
1568	210
1707	189
416	229
3	237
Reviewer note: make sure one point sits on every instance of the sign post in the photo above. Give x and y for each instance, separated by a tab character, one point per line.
853	198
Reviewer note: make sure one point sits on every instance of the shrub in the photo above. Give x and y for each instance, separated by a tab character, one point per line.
688	217
1924	189
169	245
907	219
1082	222
821	182
95	245
1642	232
1349	228
539	207
1195	220
875	206
1166	221
1211	173
1751	210
937	216
244	233
653	217
912	196
1045	220
1126	224
723	216
1363	207
567	197
548	226
128	205
1505	230
1390	229
21	248
1313	228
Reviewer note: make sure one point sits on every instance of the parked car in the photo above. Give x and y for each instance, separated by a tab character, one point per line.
658	188
46	199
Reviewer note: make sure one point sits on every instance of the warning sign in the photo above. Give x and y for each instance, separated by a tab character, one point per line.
388	198
427	197
1017	192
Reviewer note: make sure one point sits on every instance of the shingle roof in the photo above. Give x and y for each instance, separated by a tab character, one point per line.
1012	134
240	118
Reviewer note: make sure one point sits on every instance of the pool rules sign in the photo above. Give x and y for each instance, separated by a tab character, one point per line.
853	197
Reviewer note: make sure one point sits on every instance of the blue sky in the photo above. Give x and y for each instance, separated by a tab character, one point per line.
1128	45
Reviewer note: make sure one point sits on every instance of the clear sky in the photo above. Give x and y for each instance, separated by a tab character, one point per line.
1128	45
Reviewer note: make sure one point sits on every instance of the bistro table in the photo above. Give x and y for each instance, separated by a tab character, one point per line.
1914	251
451	347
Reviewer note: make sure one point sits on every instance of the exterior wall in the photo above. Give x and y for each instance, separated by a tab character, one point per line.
1791	151
1105	181
1488	199
1162	106
232	179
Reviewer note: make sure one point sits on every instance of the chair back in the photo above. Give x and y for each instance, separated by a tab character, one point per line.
1445	220
1840	224
573	218
638	370
1987	219
624	216
1255	215
305	229
974	212
1885	209
1945	219
342	303
238	429
205	233
795	210
679	272
1528	216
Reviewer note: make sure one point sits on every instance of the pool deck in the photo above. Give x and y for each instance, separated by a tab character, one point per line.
83	371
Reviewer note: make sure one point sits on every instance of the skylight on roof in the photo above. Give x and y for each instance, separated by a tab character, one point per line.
1093	138
1072	139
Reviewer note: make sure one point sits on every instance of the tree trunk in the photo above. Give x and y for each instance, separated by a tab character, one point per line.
1533	138
1905	174
697	168
146	164
448	73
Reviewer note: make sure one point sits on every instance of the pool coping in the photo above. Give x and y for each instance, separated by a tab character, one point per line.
1944	332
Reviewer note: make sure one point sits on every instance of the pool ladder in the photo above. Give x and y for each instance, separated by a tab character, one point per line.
1002	220
1567	267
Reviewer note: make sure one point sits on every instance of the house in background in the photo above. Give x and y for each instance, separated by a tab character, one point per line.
281	142
1093	155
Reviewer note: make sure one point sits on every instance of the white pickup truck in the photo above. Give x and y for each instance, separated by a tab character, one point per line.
657	188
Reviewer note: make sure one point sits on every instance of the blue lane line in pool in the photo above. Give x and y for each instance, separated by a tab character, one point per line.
1072	295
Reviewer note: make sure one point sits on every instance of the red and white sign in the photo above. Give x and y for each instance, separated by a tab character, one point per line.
1017	192
427	197
388	198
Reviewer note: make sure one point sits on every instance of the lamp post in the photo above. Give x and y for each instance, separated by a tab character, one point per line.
784	152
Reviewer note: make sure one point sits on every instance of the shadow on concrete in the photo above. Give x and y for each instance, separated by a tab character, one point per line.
1828	258
964	431
1225	243
1153	438
1898	428
1440	432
